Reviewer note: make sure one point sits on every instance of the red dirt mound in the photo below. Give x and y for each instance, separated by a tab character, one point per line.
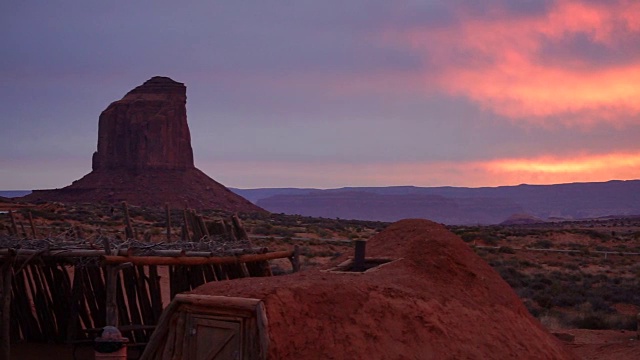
153	188
439	300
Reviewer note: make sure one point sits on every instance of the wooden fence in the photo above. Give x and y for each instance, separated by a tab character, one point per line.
67	288
68	295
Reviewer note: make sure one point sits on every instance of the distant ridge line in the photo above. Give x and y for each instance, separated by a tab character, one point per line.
456	205
14	193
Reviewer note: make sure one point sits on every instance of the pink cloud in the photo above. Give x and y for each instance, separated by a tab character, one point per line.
500	64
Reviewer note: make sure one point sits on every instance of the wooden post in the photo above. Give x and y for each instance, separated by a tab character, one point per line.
295	259
263	330
168	211
24	231
203	226
111	285
5	282
195	227
127	220
111	301
33	228
107	246
239	228
155	293
73	322
358	258
186	224
14	227
231	232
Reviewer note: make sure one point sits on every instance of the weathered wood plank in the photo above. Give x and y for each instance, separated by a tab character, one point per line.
154	346
155	292
237	303
130	284
6	275
73	323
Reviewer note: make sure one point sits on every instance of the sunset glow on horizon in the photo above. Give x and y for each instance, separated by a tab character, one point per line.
554	170
543	170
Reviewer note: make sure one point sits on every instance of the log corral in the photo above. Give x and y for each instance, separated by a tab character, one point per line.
67	290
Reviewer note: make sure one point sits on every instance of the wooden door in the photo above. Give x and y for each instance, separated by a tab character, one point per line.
215	338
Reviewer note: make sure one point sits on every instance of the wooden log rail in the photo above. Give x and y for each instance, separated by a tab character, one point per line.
62	253
51	301
194	260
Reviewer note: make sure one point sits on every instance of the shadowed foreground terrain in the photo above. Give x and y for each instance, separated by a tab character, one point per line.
570	275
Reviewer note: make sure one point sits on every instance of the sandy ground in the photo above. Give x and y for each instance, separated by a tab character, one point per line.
605	344
587	345
60	352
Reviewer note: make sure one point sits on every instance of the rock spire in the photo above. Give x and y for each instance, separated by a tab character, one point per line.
146	129
144	156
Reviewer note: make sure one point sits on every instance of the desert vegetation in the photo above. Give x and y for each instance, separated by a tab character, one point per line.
580	274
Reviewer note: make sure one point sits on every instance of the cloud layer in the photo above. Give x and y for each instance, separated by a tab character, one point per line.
537	66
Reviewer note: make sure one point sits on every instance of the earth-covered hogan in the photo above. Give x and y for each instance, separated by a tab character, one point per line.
433	299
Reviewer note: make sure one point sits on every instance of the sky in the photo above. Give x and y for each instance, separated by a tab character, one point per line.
332	93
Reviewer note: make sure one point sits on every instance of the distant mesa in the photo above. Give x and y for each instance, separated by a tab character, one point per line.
457	205
522	219
144	156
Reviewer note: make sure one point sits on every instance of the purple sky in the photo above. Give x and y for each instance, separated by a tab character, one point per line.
334	93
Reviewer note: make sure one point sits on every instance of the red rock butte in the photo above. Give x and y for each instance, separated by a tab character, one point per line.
144	156
147	129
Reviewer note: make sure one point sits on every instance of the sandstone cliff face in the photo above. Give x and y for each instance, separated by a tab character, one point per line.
147	129
144	157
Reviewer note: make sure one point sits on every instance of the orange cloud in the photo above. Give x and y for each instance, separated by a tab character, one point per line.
551	169
500	63
538	170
